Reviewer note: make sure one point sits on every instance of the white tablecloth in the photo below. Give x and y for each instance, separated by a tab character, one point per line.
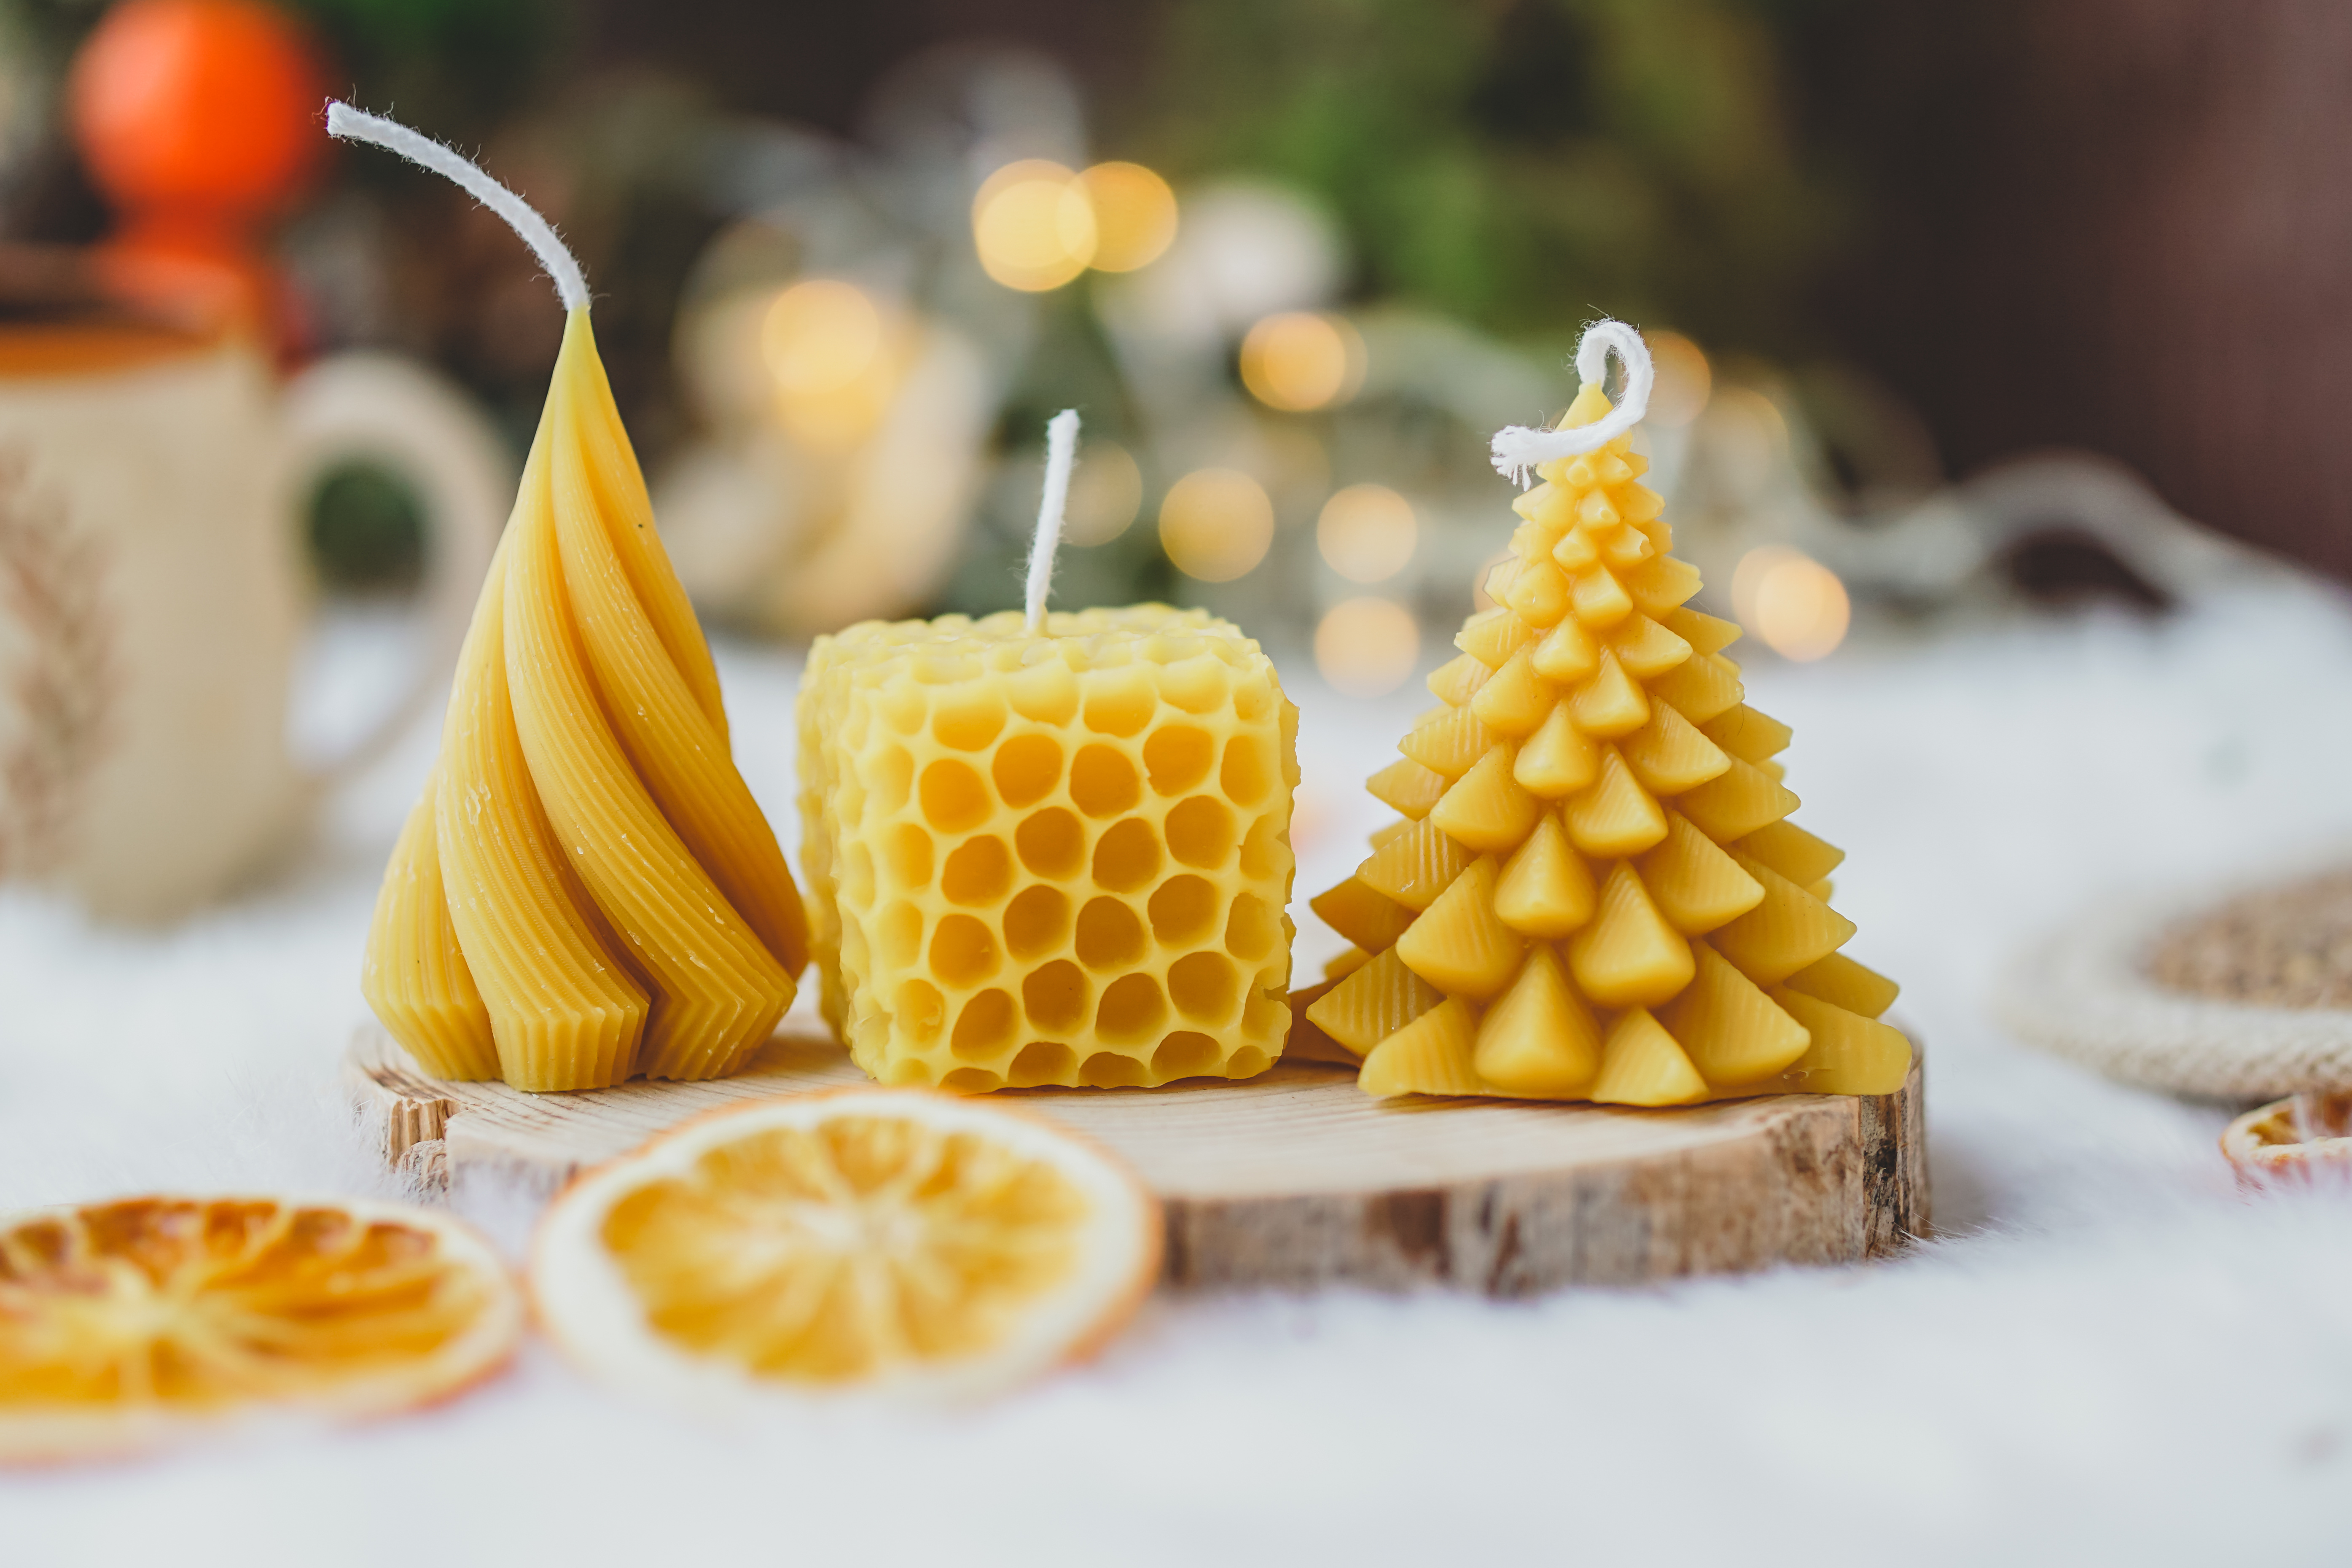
2109	1355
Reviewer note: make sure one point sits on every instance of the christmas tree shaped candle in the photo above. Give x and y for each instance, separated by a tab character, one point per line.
586	891
1050	849
1593	890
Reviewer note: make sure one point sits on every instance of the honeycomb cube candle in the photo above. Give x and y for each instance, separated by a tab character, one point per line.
1053	857
586	891
1593	890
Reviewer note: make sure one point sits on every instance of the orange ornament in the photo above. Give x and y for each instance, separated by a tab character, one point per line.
197	118
205	104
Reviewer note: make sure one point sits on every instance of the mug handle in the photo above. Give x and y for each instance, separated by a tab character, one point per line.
386	409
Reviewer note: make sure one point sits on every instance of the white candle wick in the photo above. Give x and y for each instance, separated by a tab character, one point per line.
358	125
1519	450
1061	456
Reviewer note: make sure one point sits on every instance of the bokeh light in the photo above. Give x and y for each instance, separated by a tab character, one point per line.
1366	532
1748	575
1480	599
1301	361
826	343
1106	492
1796	605
1134	214
1684	380
1748	406
1367	647
1748	444
1033	226
1216	524
819	336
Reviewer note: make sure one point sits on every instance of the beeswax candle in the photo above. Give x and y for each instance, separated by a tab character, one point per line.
1050	849
1593	891
586	891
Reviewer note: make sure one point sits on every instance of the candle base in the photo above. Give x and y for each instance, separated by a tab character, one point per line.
1298	1179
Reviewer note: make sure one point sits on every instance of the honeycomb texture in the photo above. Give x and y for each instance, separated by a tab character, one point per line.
1054	859
1593	891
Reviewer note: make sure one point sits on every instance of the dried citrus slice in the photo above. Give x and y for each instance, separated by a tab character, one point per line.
124	1323
2300	1137
887	1239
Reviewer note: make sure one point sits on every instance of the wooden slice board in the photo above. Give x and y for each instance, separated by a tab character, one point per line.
1298	1178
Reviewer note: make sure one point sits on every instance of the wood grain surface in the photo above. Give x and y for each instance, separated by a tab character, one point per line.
1296	1178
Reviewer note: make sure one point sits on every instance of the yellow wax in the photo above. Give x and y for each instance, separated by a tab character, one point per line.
588	890
1594	892
1050	859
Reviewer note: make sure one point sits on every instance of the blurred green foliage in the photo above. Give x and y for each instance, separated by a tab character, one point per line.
366	530
1524	165
459	66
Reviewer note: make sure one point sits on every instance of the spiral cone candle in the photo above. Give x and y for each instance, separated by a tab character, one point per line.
587	890
1593	891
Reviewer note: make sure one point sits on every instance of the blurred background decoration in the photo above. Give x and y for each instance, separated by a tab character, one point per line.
1293	261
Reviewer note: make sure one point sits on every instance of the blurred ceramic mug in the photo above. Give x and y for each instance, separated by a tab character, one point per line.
153	593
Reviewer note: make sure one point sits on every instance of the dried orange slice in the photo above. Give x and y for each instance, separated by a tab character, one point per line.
124	1323
883	1239
2301	1137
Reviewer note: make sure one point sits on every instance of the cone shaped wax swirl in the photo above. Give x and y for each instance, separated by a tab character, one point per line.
1594	892
587	890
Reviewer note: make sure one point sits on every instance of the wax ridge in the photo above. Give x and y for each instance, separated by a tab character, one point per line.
598	895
